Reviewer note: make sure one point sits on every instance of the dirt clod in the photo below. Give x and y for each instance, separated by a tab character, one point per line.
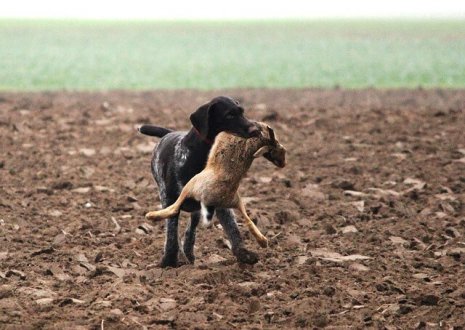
329	291
428	300
343	184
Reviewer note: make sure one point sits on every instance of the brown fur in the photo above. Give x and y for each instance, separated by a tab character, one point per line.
228	162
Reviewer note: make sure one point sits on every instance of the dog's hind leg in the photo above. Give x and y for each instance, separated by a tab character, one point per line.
170	255
261	239
189	237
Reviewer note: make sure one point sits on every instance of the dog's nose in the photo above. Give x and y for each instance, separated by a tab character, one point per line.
253	131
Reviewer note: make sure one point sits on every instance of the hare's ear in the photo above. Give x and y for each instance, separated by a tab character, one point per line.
271	132
260	152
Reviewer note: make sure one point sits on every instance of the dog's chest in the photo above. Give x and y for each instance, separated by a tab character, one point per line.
188	163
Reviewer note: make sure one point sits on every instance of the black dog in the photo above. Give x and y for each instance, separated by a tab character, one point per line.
181	155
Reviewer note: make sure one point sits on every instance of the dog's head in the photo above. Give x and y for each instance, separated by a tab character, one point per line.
222	114
272	150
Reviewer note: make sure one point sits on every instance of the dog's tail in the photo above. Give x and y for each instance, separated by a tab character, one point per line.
153	130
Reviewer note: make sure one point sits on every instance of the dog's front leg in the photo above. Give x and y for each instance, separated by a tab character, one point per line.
228	222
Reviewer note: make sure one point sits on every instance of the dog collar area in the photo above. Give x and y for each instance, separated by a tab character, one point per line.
207	141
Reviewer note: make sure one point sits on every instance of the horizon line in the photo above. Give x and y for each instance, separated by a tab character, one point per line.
238	19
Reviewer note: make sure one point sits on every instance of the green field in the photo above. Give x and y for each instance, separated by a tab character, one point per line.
89	55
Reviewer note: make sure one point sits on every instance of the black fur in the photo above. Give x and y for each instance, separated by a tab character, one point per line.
181	155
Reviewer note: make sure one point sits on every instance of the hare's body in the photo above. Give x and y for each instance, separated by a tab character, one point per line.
228	162
212	190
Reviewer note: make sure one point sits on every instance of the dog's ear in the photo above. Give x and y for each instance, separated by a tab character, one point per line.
260	152
200	119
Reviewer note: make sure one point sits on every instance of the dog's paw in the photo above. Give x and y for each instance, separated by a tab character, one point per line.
188	255
166	262
245	256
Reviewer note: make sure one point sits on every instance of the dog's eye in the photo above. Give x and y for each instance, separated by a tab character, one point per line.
229	116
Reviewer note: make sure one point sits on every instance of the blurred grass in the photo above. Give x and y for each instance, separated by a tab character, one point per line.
89	55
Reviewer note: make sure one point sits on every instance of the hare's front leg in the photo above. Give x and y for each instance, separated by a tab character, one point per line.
261	239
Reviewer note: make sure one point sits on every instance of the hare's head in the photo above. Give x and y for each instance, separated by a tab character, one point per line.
272	150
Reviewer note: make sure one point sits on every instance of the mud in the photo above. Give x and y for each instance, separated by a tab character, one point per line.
366	222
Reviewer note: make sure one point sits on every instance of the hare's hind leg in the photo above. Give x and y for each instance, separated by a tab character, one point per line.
261	239
174	208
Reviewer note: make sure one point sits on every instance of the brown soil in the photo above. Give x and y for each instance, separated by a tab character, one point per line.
367	221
